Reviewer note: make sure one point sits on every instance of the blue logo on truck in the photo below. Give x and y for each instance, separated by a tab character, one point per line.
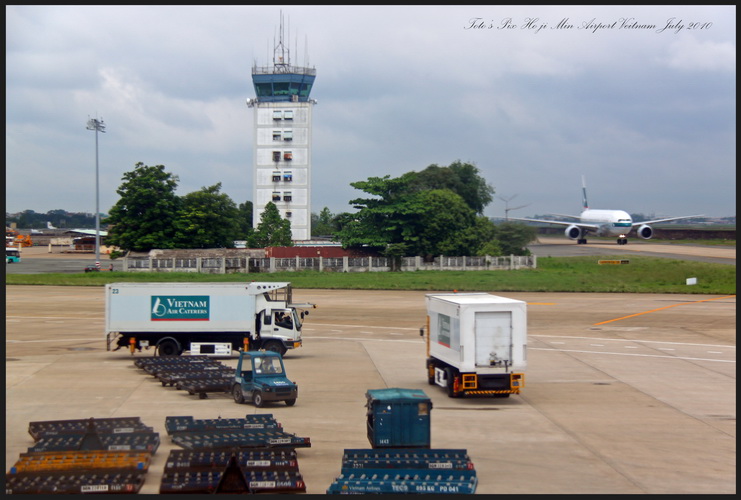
180	307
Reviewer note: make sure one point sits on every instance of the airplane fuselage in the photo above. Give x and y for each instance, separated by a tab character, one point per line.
610	222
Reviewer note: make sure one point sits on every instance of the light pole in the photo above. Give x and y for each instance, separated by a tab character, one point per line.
506	206
98	126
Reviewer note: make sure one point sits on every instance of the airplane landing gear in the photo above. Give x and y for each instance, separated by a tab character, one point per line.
622	241
581	241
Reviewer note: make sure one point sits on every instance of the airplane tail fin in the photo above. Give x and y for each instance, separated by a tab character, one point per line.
584	193
49	226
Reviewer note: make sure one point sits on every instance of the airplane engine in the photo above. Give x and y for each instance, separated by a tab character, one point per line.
645	232
573	232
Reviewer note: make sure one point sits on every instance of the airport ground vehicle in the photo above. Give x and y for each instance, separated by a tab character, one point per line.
260	376
13	238
12	255
96	268
476	344
203	318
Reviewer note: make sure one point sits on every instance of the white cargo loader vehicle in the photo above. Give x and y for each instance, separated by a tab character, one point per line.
203	318
476	344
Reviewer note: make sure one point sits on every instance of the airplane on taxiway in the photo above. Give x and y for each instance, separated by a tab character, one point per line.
603	222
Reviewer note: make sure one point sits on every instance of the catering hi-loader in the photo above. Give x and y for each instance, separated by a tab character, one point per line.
476	344
203	318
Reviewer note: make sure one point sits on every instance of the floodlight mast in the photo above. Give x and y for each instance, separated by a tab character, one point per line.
506	206
98	126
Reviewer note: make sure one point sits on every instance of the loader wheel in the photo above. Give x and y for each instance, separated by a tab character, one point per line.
275	346
168	348
237	393
290	402
257	399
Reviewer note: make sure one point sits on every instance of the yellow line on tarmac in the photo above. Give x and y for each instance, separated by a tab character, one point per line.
661	308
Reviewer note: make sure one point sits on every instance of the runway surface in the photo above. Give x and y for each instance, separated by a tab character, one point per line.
563	247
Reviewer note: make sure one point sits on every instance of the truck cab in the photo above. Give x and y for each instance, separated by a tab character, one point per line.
260	377
280	329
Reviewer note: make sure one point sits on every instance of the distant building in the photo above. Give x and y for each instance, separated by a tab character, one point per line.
282	140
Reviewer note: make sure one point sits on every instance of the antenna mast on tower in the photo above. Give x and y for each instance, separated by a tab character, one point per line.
281	53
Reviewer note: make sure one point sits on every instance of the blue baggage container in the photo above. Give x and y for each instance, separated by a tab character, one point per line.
398	418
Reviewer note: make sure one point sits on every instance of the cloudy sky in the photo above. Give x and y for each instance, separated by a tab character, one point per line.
534	96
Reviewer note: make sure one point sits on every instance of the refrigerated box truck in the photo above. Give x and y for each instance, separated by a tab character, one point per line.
203	318
476	344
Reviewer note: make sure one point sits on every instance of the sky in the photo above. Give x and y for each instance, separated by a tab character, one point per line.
638	100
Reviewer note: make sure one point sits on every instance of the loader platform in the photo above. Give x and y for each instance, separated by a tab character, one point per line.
110	455
394	470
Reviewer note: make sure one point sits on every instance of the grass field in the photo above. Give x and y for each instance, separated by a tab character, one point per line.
554	274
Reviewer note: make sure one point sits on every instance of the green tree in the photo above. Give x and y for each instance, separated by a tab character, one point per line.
272	230
480	238
206	219
142	219
433	222
375	224
324	224
244	221
25	219
418	213
514	238
461	178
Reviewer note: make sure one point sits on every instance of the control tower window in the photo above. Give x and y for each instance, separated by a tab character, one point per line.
263	89
280	88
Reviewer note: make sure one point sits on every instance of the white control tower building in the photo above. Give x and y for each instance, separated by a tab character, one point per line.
282	152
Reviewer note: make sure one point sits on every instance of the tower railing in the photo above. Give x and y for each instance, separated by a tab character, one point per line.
280	69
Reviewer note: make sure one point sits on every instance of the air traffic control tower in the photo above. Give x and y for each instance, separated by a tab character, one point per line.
282	151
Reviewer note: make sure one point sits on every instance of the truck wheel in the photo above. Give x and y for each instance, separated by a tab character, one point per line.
257	399
275	346
237	393
290	402
449	376
168	348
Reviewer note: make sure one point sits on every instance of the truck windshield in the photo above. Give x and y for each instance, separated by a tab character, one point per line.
297	319
268	366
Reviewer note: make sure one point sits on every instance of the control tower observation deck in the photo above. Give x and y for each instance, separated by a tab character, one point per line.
283	129
283	83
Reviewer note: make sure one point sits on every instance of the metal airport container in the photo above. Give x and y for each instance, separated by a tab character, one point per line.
398	418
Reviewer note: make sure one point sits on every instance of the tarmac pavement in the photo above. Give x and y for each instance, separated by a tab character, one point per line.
625	393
